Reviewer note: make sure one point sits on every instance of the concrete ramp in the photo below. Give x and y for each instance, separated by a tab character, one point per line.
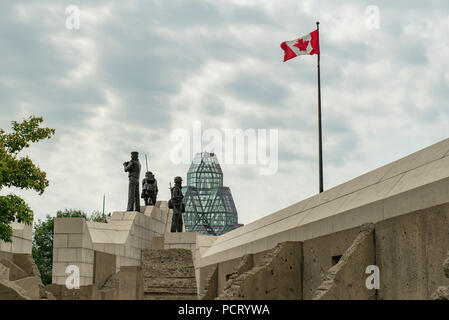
415	182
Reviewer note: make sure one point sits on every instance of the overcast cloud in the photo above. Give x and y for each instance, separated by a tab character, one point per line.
137	70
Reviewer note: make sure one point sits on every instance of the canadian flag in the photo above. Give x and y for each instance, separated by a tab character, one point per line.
308	44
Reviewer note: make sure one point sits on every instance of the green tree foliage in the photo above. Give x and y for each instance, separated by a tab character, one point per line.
97	216
19	172
43	239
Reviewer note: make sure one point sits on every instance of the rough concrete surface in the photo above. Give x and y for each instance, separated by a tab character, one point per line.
211	287
410	250
20	278
346	279
277	276
318	255
168	274
11	291
442	293
104	268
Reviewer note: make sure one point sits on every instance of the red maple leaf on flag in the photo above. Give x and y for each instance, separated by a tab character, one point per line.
301	45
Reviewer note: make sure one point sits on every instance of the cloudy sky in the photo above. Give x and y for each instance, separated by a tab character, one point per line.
136	71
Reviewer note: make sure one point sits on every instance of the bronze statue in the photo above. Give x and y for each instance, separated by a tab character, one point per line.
133	167
177	204
149	189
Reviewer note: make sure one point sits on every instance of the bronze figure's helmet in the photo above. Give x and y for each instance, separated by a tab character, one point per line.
178	180
134	154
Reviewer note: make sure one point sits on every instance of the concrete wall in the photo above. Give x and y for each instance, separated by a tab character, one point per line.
196	242
346	279
277	275
124	236
392	197
318	255
21	239
418	181
410	250
168	274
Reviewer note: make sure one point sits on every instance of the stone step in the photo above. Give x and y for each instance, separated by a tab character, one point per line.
169	282
170	297
151	270
167	256
168	274
156	290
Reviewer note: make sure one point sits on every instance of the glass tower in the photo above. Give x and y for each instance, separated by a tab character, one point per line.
210	208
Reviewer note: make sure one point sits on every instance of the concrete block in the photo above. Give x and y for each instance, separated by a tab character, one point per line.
4	272
30	285
15	272
86	281
87	269
26	246
121	225
410	250
85	255
26	263
99	236
129	215
120	237
423	175
180	237
104	267
5	246
345	280
148	210
75	240
69	225
67	255
278	278
419	158
426	196
372	212
131	283
109	248
146	244
99	247
117	215
28	232
318	257
119	250
59	269
60	240
17	245
17	232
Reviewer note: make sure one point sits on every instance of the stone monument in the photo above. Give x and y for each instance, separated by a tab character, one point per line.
149	189
133	167
177	204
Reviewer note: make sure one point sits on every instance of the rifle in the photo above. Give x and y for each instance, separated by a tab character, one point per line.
170	202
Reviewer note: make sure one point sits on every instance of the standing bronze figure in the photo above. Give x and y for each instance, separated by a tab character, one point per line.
177	204
149	189
133	167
